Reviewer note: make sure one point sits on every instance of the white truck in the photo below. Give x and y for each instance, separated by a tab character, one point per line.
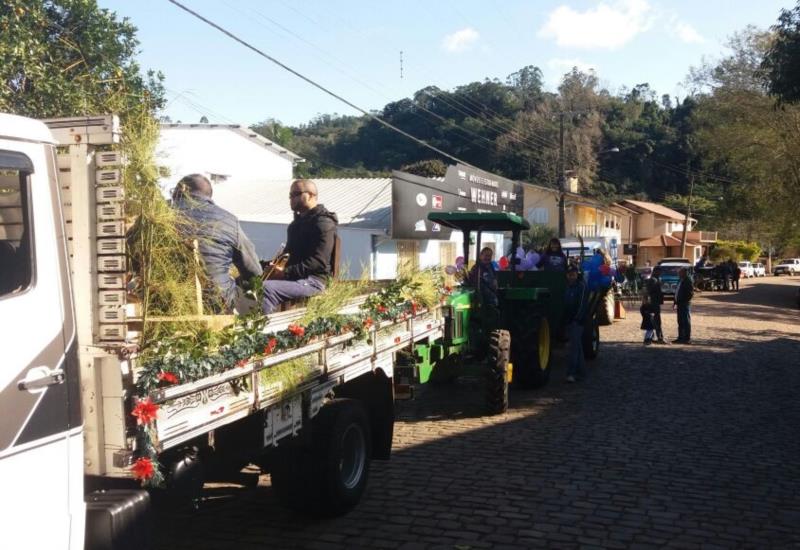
69	367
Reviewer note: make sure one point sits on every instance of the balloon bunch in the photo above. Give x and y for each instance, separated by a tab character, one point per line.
597	273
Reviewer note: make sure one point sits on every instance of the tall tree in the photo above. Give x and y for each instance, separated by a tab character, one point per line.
70	57
781	63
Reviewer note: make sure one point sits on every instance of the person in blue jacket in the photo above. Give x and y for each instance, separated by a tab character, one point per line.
576	299
553	258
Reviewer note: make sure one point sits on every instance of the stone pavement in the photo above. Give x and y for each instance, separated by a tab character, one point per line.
681	446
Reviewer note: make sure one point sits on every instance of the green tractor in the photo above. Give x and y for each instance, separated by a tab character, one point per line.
486	339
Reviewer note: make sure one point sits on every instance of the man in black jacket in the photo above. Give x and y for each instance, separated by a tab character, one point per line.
310	241
683	299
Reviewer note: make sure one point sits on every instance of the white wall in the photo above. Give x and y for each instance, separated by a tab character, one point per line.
218	151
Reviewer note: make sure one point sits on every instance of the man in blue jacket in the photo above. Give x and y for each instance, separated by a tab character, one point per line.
221	242
683	299
576	298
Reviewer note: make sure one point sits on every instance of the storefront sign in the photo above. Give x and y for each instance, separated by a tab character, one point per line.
464	189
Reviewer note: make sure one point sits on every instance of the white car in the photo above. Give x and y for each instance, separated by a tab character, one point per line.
789	266
759	270
747	269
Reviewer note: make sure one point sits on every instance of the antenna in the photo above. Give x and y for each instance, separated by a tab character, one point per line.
401	64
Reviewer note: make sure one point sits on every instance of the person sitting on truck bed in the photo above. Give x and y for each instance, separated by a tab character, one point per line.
220	239
310	241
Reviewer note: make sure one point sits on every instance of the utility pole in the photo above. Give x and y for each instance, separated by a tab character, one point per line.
686	220
562	182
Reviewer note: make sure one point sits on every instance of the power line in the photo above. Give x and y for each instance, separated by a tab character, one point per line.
317	85
453	124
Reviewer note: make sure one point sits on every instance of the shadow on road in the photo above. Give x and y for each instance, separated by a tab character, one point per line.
694	446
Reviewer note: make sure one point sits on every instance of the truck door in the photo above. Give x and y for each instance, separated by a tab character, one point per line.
38	371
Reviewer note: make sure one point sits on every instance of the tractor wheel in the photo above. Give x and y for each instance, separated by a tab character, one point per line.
497	372
605	310
591	340
532	354
446	370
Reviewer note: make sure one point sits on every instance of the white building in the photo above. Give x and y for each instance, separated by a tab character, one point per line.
364	209
225	153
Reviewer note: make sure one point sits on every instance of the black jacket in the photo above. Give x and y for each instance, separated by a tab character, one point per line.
310	240
684	293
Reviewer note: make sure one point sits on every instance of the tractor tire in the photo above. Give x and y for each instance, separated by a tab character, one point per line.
531	354
328	477
605	310
446	370
497	372
591	340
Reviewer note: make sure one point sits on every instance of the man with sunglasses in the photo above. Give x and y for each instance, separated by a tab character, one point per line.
309	243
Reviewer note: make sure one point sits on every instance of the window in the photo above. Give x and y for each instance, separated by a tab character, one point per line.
16	252
538	215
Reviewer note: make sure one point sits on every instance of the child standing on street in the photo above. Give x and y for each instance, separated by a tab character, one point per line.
647	319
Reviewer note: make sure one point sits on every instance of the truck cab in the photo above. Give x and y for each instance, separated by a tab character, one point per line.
41	436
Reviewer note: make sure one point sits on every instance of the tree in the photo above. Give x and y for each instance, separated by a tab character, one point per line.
204	119
69	57
781	64
433	168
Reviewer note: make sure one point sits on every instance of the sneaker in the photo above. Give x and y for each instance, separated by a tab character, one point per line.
571	379
678	341
661	341
647	342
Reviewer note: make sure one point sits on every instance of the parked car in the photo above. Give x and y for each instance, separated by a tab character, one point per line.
789	266
675	260
759	270
667	273
747	269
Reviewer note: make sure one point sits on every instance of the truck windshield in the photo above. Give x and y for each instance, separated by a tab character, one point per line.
669	270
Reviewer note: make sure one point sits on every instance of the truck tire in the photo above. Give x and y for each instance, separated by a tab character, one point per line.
531	357
591	340
327	477
497	372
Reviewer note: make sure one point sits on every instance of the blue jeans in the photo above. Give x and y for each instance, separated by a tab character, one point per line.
684	322
276	292
575	352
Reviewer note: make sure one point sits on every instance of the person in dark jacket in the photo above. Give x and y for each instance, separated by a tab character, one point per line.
310	240
736	273
553	258
683	299
221	242
576	301
656	299
483	277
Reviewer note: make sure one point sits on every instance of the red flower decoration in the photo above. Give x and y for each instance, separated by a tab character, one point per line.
143	469
368	322
270	347
145	412
414	307
296	330
167	377
241	363
382	309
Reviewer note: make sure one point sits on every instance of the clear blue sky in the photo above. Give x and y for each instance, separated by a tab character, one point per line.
353	47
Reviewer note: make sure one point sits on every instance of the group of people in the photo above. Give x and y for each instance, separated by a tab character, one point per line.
483	276
222	244
727	272
653	299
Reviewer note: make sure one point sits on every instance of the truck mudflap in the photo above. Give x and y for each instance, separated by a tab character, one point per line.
118	519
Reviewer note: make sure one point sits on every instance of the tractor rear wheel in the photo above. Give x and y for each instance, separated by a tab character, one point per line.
591	339
532	353
497	372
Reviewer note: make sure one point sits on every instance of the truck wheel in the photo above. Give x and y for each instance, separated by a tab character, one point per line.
328	477
532	354
591	340
497	372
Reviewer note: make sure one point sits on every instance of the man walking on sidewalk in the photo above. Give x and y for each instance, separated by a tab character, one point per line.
683	299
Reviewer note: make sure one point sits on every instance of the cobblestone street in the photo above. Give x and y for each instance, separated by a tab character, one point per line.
685	446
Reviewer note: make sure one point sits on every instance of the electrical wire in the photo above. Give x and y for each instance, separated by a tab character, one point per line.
317	85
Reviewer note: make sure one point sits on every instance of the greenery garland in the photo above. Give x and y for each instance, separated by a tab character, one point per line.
187	357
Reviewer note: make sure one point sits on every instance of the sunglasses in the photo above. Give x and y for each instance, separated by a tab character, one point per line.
293	194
